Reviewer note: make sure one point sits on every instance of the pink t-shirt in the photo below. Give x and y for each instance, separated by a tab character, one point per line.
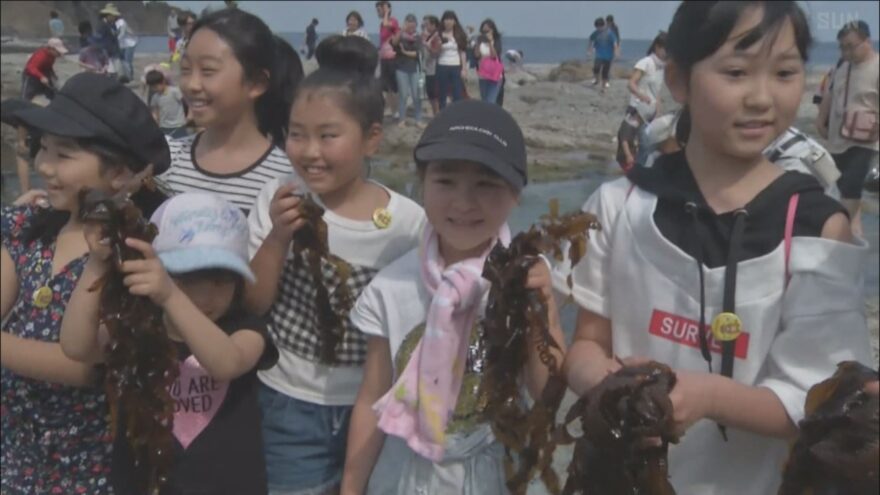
386	51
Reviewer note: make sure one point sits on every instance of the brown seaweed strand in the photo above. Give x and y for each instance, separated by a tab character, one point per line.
141	362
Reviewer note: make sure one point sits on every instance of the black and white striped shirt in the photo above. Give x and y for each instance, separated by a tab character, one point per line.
239	188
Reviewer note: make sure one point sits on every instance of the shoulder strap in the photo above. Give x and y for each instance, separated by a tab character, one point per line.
846	86
789	230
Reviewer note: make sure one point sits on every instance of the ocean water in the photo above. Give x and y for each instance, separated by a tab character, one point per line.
536	50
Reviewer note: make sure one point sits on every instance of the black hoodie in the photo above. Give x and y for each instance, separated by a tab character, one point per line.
671	180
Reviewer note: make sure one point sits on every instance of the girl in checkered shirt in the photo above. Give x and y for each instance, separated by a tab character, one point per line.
335	126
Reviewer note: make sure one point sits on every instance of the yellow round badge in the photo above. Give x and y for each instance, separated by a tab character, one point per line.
42	297
726	327
382	218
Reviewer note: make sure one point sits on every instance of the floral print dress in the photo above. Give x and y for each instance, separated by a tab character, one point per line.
55	437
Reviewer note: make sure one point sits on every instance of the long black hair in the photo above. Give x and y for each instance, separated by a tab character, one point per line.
347	64
700	28
259	52
457	32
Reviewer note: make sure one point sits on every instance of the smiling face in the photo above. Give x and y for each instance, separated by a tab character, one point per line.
213	82
741	100
326	145
67	169
448	24
466	205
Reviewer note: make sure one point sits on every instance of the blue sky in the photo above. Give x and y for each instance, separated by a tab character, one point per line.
637	20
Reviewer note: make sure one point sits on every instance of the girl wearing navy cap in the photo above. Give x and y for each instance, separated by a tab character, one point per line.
418	310
96	134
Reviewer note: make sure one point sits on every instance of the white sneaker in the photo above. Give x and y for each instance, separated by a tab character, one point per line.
607	84
595	82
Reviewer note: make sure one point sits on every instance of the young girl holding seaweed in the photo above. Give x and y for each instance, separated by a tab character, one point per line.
195	270
236	77
96	134
718	231
422	315
335	127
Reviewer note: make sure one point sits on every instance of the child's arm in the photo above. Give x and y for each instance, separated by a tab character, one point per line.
81	332
365	439
30	358
627	152
225	357
536	371
268	262
589	358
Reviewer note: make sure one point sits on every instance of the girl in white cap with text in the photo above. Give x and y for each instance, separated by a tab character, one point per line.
418	425
195	270
96	133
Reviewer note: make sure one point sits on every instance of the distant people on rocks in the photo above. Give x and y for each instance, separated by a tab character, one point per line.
490	67
603	47
56	25
848	115
186	20
609	21
106	38
166	104
38	77
93	58
406	44
311	39
452	66
431	46
472	39
388	29
127	40
354	25
173	29
514	57
646	79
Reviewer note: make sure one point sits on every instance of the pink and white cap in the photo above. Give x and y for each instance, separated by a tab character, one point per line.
200	231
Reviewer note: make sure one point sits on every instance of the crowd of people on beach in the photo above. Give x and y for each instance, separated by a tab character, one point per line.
742	274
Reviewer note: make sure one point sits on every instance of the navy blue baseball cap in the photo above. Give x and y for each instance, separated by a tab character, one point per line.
480	132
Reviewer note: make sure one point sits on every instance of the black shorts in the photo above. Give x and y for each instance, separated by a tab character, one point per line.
431	87
31	87
603	67
853	164
387	72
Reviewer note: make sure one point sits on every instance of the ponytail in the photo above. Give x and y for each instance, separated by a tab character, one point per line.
263	56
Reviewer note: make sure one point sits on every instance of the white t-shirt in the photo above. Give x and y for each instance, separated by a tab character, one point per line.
126	36
650	83
793	336
449	53
367	249
357	32
239	188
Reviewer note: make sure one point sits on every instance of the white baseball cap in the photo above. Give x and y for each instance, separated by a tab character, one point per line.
199	231
57	44
661	128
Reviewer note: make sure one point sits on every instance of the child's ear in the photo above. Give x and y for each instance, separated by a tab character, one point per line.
372	139
120	177
260	85
677	82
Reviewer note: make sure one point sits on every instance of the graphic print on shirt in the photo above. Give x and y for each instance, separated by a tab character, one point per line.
683	331
197	398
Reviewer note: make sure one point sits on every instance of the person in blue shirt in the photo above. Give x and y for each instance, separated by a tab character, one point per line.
603	44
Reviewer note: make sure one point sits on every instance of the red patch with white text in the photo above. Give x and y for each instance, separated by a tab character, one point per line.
684	331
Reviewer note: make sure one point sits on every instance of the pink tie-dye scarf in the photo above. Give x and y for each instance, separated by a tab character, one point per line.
420	403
